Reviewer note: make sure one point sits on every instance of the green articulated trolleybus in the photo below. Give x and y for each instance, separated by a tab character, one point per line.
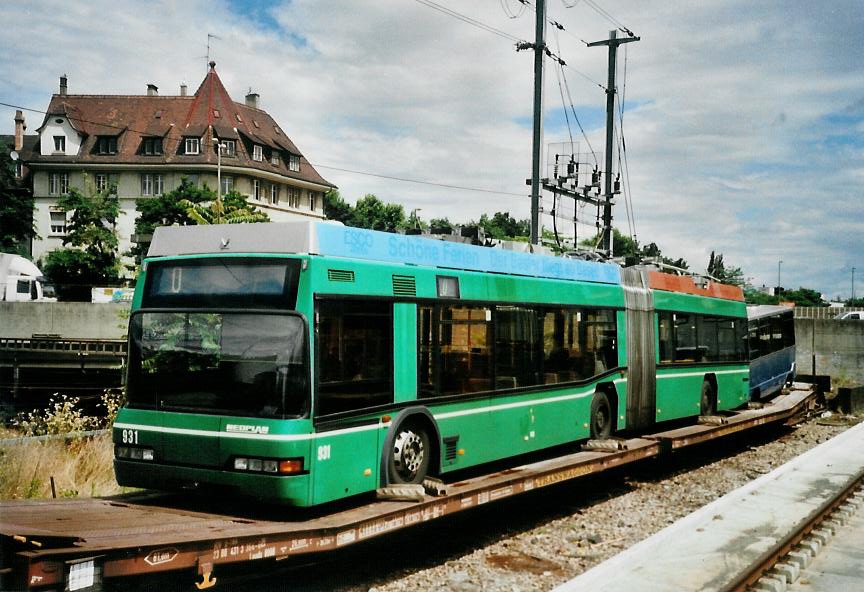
305	362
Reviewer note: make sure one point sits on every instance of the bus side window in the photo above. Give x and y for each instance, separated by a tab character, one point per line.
664	325
355	352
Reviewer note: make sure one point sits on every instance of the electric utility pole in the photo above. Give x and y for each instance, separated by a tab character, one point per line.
613	42
539	50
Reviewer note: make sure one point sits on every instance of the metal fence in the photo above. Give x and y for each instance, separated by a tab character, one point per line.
821	312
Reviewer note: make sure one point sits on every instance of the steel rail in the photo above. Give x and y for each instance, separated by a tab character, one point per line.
773	556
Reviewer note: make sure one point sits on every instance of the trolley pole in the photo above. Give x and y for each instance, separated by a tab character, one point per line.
613	42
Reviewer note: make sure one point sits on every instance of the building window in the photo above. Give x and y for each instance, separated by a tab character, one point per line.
19	169
274	158
229	148
58	222
257	153
293	162
151	146
58	183
312	200
293	197
274	194
256	189
227	184
106	145
152	184
101	181
60	144
193	146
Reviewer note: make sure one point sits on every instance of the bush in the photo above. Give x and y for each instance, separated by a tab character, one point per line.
60	417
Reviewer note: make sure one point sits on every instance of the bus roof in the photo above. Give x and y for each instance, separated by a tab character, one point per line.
759	311
685	284
336	240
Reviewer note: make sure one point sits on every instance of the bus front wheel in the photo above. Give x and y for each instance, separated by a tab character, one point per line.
601	416
708	402
409	457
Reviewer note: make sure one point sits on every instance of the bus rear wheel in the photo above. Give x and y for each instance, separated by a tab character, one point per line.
409	457
601	416
708	402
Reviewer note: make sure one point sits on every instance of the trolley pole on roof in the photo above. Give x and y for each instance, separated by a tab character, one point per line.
613	42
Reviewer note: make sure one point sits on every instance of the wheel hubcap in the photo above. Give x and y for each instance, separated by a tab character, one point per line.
408	453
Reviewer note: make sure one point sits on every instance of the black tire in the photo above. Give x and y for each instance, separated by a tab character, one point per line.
708	402
409	456
601	416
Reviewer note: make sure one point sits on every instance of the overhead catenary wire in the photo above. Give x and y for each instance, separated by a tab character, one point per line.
469	20
316	165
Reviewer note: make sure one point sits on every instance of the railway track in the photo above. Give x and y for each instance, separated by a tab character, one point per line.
758	537
783	565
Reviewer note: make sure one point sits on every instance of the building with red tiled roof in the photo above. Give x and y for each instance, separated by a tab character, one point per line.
145	145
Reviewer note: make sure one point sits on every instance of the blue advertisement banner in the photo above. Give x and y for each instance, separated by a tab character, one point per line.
358	243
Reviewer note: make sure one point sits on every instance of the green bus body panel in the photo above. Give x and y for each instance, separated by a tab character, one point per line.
675	301
404	352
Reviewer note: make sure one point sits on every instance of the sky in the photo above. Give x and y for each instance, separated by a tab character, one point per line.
743	121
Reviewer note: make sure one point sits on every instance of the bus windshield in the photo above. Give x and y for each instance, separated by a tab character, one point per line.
244	364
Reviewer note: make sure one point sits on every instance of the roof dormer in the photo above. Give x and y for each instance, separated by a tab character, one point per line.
58	137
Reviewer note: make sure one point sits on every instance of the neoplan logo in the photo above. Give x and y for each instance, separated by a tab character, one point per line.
246	429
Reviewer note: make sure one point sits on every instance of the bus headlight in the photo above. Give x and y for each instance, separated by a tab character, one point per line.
134	453
290	466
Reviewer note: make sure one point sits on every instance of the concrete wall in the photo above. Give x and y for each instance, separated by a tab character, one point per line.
81	320
839	347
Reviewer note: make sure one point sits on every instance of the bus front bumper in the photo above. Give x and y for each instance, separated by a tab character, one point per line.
287	489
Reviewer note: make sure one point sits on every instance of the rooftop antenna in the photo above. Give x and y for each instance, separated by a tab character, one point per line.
209	37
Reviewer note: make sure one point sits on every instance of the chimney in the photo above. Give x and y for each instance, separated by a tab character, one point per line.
152	90
63	86
183	89
19	130
252	99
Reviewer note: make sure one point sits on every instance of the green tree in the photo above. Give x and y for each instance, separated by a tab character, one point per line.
16	209
727	275
440	226
503	226
165	210
92	234
189	204
370	212
803	297
753	296
232	208
336	208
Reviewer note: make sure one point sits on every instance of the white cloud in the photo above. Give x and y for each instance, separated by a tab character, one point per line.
746	138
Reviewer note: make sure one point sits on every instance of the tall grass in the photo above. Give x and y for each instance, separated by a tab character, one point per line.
80	466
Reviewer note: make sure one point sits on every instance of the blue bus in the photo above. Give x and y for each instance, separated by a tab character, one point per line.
771	339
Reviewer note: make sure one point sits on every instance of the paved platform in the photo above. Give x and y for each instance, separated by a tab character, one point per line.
709	548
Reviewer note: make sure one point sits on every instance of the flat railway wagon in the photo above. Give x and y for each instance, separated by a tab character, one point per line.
151	541
307	362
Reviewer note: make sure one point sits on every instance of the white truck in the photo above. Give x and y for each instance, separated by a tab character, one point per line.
21	280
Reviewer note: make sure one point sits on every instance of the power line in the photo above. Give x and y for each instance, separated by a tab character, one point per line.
599	10
418	181
576	117
469	20
323	166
